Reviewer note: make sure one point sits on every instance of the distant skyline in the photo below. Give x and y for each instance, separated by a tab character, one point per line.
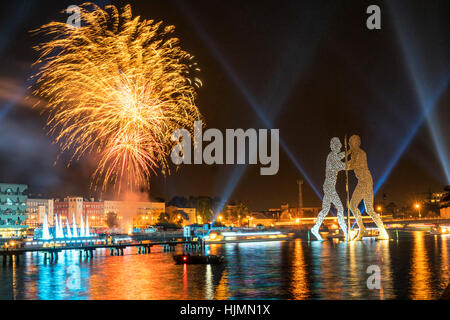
310	69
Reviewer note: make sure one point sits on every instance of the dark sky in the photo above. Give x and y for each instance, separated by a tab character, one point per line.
310	68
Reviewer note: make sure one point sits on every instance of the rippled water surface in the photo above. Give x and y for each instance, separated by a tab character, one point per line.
413	266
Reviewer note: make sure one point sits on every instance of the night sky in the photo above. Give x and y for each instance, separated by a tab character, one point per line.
310	68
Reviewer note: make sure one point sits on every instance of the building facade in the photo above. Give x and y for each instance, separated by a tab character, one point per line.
94	211
97	211
68	208
37	209
13	205
145	213
445	213
71	207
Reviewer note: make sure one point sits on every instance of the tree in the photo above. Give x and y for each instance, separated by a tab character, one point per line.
238	213
111	220
177	201
163	218
204	208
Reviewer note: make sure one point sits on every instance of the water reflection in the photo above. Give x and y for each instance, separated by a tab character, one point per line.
413	267
300	285
420	270
444	261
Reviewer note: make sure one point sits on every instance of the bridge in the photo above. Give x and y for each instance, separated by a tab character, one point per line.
51	249
407	221
367	219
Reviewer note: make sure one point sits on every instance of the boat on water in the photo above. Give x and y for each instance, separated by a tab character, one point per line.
338	234
197	259
419	227
440	230
245	236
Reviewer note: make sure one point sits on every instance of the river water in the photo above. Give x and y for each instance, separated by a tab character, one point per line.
412	265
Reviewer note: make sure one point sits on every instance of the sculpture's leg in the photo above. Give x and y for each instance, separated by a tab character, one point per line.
356	200
368	202
322	214
340	214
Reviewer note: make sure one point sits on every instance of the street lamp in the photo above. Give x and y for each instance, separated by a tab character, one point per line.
379	209
417	206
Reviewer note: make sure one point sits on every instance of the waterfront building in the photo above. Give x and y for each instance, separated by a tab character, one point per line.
113	207
445	213
432	203
150	208
13	205
145	213
263	218
71	207
94	210
68	208
36	209
283	216
97	211
140	213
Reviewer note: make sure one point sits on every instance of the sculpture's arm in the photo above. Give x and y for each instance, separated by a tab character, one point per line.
341	165
351	163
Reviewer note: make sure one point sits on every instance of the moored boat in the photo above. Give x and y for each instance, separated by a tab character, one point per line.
197	259
439	230
246	236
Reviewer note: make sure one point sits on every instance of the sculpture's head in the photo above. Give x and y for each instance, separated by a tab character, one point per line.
335	144
354	141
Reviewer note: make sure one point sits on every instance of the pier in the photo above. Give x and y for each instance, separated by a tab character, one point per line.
51	252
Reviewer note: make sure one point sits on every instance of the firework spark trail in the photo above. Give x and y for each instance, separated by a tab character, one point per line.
117	86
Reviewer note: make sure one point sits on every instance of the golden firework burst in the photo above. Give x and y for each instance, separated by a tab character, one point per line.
117	86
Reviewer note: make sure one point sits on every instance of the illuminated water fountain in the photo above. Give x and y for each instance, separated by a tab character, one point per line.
74	224
59	234
45	232
61	229
82	230
70	232
87	232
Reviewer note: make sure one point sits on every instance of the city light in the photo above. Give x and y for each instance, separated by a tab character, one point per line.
418	207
